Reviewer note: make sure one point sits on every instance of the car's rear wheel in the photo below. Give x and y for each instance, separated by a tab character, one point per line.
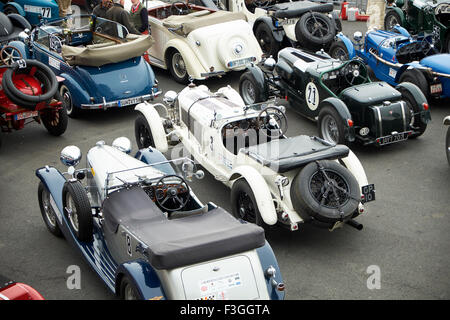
178	68
331	127
249	89
143	133
128	290
314	30
391	19
326	191
414	109
77	210
416	77
55	121
339	51
66	95
48	214
267	42
243	202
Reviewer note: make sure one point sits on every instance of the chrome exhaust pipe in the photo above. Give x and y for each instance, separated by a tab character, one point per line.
358	226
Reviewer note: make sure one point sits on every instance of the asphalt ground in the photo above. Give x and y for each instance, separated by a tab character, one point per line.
405	235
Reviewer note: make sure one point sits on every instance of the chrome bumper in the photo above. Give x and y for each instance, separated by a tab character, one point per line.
120	103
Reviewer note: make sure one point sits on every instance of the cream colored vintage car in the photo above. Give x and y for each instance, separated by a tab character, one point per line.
192	41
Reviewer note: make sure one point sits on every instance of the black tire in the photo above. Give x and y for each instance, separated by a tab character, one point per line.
128	290
19	21
79	218
43	73
243	203
447	145
249	89
267	42
308	187
314	30
339	51
48	214
330	126
71	109
416	77
414	121
177	67
446	49
9	9
143	133
55	122
391	19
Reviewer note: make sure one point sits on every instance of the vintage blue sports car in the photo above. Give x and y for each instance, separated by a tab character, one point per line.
145	233
395	56
101	63
35	11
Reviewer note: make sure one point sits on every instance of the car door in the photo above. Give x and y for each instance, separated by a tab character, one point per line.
161	35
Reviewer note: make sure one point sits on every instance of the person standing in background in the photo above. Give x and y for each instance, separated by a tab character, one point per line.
118	14
139	16
64	7
101	8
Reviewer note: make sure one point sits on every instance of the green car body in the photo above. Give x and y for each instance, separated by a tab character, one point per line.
429	16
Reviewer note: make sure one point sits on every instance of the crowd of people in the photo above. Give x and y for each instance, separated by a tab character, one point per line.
136	21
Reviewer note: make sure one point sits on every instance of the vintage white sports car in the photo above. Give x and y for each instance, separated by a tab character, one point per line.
272	178
192	41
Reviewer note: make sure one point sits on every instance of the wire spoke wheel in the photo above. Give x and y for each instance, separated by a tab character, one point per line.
48	210
246	209
330	129
248	92
72	212
329	189
178	65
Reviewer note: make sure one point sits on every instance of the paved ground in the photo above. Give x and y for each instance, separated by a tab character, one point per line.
405	231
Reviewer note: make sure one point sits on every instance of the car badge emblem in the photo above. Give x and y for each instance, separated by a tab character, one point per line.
238	49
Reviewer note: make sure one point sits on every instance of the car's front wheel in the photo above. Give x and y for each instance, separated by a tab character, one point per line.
128	290
243	203
331	127
48	214
339	51
77	210
143	133
177	67
55	121
66	95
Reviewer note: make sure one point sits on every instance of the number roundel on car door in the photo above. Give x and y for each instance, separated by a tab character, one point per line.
312	96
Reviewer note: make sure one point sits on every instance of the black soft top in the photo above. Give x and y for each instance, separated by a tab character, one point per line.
183	241
297	8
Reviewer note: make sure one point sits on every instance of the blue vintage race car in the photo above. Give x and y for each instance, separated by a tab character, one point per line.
101	63
35	11
145	233
395	56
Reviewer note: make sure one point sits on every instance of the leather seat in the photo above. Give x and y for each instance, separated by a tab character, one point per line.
296	9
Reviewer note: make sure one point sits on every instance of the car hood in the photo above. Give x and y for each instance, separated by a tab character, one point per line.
126	79
438	62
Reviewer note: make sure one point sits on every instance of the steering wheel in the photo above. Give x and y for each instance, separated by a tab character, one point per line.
261	3
172	193
55	43
355	70
175	10
273	121
10	54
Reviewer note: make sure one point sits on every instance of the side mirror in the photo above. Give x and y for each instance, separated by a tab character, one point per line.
270	63
70	156
170	97
123	144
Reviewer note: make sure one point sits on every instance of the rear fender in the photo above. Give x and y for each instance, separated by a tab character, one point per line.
400	14
19	8
348	44
344	114
144	278
353	164
277	34
79	95
267	259
155	123
54	181
260	190
194	66
419	97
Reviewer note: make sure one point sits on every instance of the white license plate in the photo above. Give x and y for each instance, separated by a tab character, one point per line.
127	102
392	73
286	22
436	88
239	63
25	115
394	138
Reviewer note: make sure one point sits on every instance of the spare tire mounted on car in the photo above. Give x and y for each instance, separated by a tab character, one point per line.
326	191
315	30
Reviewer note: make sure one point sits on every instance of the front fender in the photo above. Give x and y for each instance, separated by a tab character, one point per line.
259	77
194	66
343	112
54	181
143	277
260	190
419	97
348	44
277	34
19	8
155	123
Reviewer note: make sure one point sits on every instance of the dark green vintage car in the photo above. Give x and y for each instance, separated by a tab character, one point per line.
340	96
430	16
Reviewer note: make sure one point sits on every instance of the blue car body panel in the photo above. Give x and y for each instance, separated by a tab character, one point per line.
35	11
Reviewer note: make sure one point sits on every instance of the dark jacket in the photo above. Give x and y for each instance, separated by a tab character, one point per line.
118	14
100	11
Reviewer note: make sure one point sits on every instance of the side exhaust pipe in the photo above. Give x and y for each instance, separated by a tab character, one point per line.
358	226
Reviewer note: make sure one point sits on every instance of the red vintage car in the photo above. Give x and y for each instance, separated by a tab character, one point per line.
11	290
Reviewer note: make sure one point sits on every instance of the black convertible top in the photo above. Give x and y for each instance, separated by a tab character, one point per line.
183	241
286	154
297	8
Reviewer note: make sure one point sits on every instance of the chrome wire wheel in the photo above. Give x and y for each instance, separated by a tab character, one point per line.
248	92
178	65
317	27
329	129
67	98
48	210
330	191
72	212
391	22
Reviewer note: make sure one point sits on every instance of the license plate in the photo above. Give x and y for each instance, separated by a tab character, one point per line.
240	62
393	138
285	22
25	115
127	102
368	193
436	88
